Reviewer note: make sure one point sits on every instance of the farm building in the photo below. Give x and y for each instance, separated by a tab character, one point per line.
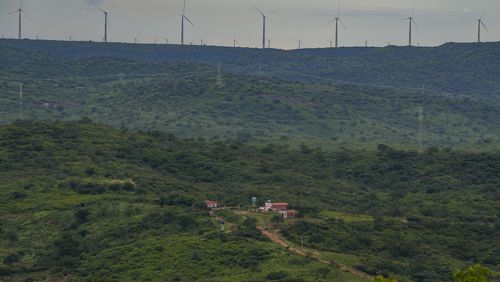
289	213
269	206
212	204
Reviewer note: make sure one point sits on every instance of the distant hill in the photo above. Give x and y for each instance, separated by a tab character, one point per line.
194	100
457	68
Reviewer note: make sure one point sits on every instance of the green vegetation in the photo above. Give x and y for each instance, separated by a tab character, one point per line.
92	202
453	68
109	153
187	99
475	273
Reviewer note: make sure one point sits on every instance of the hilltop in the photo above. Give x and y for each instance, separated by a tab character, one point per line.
86	201
467	69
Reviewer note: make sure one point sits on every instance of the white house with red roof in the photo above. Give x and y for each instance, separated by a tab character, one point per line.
270	206
212	204
280	207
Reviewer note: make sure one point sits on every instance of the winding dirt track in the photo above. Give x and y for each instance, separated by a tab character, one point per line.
276	239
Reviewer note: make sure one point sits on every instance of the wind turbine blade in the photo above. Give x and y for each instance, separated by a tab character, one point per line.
188	20
482	23
100	9
415	23
342	22
482	12
338	10
260	12
413	10
405	19
332	21
184	9
16	11
26	15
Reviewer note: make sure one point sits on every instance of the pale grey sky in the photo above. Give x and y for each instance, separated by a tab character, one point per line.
219	21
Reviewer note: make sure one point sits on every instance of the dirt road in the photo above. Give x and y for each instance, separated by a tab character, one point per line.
276	239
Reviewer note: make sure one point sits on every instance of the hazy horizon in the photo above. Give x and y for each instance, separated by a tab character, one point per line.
218	22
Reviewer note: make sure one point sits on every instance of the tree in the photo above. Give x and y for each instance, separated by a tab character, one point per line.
277	275
381	278
323	272
11	259
81	216
475	273
277	219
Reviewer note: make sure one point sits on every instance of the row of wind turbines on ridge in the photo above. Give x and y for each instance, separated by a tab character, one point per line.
411	22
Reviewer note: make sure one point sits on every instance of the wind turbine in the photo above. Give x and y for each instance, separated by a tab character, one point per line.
264	17
106	25
336	20
20	11
183	17
480	23
411	21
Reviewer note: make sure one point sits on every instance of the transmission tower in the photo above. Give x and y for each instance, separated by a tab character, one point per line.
420	129
219	81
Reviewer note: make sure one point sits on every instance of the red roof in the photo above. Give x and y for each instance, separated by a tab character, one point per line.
280	204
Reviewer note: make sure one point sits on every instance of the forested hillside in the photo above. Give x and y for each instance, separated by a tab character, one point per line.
108	152
83	201
455	68
192	99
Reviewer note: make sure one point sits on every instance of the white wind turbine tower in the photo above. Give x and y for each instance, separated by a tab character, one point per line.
411	21
336	20
183	17
20	12
264	18
480	23
106	24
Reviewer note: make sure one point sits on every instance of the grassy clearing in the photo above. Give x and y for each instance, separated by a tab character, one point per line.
345	216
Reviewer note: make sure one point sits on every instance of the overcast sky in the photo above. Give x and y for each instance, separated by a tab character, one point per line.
219	21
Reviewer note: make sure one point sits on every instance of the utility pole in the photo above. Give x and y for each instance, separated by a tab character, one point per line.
20	91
